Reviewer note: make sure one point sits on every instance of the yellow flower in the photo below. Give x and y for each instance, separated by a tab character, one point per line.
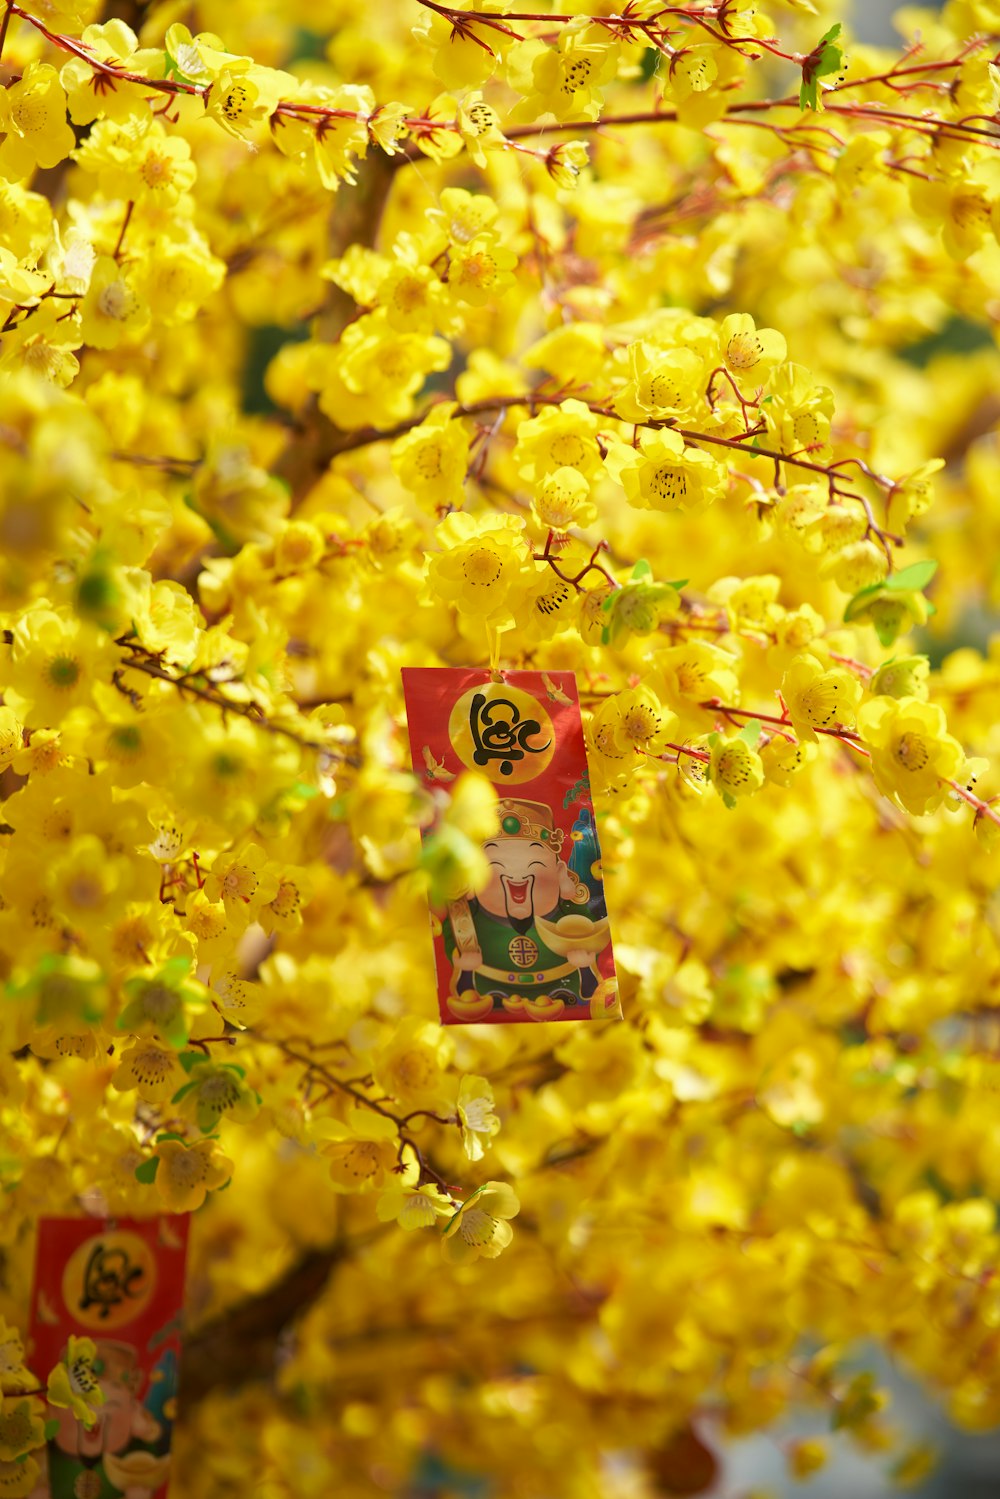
480	1226
663	473
73	1382
244	93
799	413
913	755
462	59
432	459
858	565
376	372
563	501
476	1115
54	662
566	80
472	807
216	1089
13	1374
138	162
11	734
413	1207
410	1205
480	569
153	1070
22	1428
244	880
818	697
696	672
111	308
638	722
565	161
610	764
239	1001
187	1173
410	1067
362	1150
480	271
562	436
662	383
735	769
750	353
478	127
904	676
912	495
178	280
783	758
547	606
161	1002
388	125
462	216
283	912
33	114
806	1456
92	91
20	286
18	1479
334	144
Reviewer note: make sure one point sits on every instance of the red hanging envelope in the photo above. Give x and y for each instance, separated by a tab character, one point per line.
535	943
119	1283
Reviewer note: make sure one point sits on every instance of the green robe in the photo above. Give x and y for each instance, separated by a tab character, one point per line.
521	962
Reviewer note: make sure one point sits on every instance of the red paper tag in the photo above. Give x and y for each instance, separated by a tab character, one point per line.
121	1284
535	944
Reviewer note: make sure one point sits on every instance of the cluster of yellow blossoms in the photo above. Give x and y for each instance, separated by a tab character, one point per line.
657	345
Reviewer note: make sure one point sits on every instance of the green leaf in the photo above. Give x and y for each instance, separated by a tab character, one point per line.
189	1059
678	583
826	57
750	732
171	1134
641	570
51	1427
912	579
887	631
146	1173
182	1091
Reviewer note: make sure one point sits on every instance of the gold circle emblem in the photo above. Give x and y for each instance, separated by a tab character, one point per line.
503	732
108	1280
522	952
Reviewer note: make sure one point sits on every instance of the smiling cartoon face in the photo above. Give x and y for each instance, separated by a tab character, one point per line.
527	878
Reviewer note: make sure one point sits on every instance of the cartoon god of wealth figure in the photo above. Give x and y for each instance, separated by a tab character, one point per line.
528	943
113	1457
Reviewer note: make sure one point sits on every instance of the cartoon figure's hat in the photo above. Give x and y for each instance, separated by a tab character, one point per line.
531	820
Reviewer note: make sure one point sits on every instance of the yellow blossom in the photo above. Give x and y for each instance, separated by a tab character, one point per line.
481	1226
187	1173
33	115
73	1382
913	755
817	696
21	1429
476	1115
480	568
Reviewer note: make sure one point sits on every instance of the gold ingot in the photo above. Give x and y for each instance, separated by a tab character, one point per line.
574	933
136	1473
